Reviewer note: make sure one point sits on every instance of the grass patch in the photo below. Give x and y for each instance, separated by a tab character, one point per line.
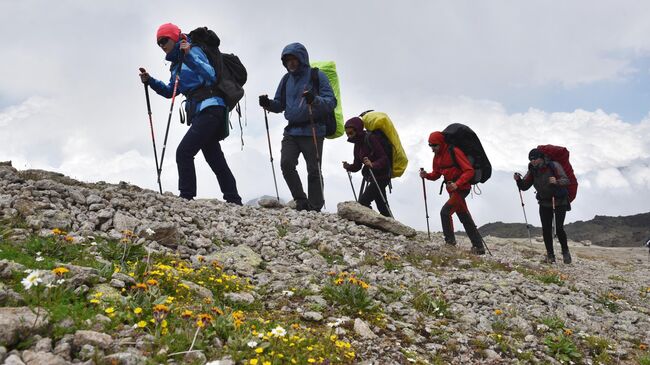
562	348
551	277
609	301
435	304
553	323
350	293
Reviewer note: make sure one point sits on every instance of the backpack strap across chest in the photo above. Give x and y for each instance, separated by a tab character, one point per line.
315	81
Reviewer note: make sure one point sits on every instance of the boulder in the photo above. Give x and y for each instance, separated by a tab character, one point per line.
362	215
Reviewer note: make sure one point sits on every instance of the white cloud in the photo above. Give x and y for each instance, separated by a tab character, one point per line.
24	110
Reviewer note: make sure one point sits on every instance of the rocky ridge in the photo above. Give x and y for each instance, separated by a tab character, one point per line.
433	303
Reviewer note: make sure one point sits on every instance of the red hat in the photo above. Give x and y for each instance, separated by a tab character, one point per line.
436	138
170	31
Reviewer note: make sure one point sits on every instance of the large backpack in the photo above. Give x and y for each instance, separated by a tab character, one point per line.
379	123
231	73
385	144
560	155
333	122
463	137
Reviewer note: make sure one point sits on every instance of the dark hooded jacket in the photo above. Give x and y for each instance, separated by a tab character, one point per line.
368	145
539	176
443	164
295	107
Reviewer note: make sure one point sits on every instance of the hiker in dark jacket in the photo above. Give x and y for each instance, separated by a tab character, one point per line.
550	181
294	96
369	155
457	173
207	117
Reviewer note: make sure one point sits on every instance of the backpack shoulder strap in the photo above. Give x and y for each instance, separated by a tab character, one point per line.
315	80
368	143
453	155
283	90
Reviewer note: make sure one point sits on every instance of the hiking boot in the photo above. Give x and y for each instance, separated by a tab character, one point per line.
566	257
478	250
450	243
549	260
302	205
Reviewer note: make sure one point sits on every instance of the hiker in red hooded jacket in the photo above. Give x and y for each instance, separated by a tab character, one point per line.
457	178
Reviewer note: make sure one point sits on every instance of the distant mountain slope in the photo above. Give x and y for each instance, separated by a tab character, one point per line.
628	231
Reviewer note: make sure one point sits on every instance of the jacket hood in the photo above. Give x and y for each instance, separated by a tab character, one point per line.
437	138
176	54
299	51
357	124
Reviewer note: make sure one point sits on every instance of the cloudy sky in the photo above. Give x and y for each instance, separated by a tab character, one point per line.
520	74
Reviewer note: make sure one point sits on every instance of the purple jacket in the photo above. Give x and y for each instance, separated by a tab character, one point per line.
368	144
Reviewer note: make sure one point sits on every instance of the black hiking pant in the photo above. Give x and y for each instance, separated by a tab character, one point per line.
456	204
292	147
546	216
204	135
370	193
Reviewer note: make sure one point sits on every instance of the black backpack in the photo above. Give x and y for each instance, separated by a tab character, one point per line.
329	119
463	137
231	73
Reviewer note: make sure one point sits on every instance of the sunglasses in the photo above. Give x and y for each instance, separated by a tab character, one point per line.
162	41
433	145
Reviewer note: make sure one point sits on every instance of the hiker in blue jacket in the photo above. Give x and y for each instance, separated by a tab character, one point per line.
369	155
294	95
205	113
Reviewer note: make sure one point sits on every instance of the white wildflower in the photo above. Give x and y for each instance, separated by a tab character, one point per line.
39	259
260	335
287	293
252	344
150	231
93	243
278	331
31	280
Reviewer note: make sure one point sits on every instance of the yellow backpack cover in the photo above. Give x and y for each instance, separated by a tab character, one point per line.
378	120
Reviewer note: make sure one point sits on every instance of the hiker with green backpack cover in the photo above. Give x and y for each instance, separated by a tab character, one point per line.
307	100
190	72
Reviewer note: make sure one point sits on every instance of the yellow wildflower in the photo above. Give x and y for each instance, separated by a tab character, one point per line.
94	301
142	324
187	313
311	360
59	271
252	361
568	332
137	310
152	282
109	310
259	350
498	312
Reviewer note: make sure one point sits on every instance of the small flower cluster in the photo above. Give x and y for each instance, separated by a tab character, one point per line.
345	277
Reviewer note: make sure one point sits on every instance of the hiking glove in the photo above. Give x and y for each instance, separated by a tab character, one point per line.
264	101
309	96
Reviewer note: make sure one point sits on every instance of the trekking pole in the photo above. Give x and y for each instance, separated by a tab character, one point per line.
153	138
268	138
553	220
380	194
169	118
352	186
426	208
313	134
521	198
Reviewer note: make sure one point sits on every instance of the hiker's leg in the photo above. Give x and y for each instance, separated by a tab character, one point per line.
560	214
367	195
315	195
214	155
288	162
546	217
447	220
189	146
379	202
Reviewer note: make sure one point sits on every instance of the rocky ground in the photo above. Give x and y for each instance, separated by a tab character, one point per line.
419	301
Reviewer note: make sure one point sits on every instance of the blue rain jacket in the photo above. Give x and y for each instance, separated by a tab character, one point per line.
196	71
295	110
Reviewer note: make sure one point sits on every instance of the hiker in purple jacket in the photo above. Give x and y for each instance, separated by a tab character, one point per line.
369	154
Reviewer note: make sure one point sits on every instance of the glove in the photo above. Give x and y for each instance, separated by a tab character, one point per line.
264	101
309	96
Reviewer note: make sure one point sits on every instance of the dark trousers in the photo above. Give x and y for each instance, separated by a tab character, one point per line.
456	204
370	193
292	147
204	135
546	216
